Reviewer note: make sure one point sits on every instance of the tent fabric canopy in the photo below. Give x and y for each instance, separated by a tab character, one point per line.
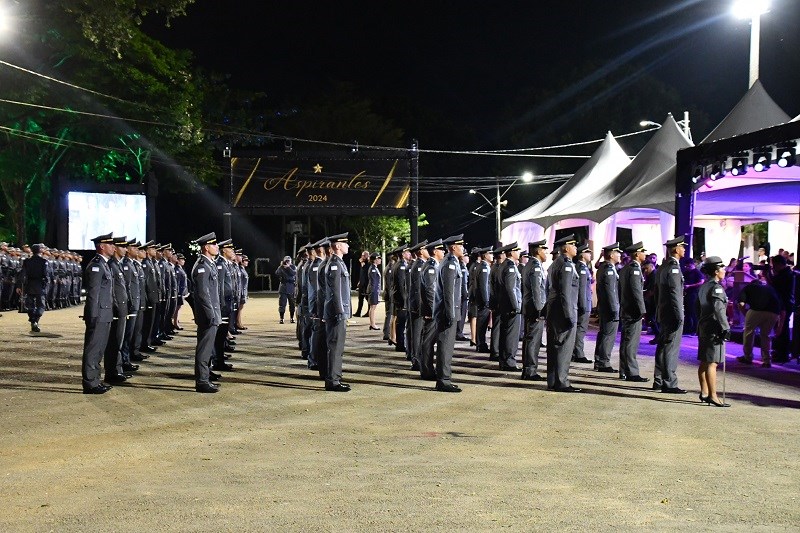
606	162
755	111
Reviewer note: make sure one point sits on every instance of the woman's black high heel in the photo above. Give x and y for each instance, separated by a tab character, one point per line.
703	399
715	404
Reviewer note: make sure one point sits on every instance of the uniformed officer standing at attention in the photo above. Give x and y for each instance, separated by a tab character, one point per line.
534	299
481	298
302	300
322	335
152	293
430	300
399	297
337	311
562	315
447	313
494	341
226	301
607	307
98	313
32	284
509	306
314	331
713	329
113	352
419	255
669	308
582	262
632	311
207	313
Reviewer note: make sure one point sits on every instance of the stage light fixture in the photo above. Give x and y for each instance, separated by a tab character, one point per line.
718	171
698	173
354	147
762	158
787	154
287	145
739	164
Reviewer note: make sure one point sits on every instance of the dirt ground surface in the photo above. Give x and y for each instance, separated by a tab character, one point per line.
272	451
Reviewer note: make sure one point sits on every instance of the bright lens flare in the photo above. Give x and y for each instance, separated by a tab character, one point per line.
749	9
4	20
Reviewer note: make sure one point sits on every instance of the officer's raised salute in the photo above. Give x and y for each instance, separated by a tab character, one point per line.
337	311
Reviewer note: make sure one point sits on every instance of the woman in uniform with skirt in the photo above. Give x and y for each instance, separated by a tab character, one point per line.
712	329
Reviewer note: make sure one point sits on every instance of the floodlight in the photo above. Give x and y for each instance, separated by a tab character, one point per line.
786	155
750	9
473	191
762	159
739	165
527	177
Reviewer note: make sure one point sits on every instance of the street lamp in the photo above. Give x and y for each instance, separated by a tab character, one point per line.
499	203
752	9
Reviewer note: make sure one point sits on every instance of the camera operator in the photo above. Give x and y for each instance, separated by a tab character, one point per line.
287	275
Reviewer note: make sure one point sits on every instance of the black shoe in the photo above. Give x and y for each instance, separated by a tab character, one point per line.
672	390
656	386
213	376
415	365
291	320
637	379
222	366
313	367
533	377
281	322
128	367
337	387
117	378
99	389
506	368
35	327
391	342
493	357
606	369
703	399
230	348
462	338
231	342
399	348
717	404
581	360
158	342
206	388
139	358
568	389
471	344
374	329
652	341
447	387
148	349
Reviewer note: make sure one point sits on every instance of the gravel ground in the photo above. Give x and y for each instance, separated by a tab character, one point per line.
273	451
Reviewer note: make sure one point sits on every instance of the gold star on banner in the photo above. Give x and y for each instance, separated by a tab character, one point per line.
317	169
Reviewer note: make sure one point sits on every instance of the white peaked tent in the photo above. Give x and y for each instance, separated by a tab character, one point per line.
529	225
755	111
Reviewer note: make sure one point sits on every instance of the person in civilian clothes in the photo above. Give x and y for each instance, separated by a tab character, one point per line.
374	287
481	298
534	298
582	265
180	277
562	314
669	309
509	307
446	314
781	278
607	307
98	313
31	285
207	314
363	280
336	311
472	312
632	310
712	329
287	276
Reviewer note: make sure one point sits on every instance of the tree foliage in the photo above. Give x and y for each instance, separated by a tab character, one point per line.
380	234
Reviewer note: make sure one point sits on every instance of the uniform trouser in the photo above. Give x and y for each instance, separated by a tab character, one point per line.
482	324
580	336
509	339
113	355
234	317
34	303
400	329
308	338
219	342
298	329
463	318
283	299
94	346
764	321
158	320
206	336
426	348
414	341
149	317
172	303
362	295
445	345
494	347
667	352
629	347
387	322
335	333
409	337
531	344
136	338
560	337
319	347
606	336
780	344
127	340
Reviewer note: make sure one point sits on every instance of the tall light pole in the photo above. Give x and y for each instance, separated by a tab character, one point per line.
499	203
752	9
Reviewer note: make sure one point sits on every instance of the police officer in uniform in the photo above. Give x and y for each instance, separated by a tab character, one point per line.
113	355
32	284
494	288
400	297
430	301
586	279
337	311
315	327
388	288
322	291
509	307
302	300
207	315
534	299
481	298
713	329
669	308
419	255
632	311
133	281
562	314
607	307
447	313
98	314
225	281
152	295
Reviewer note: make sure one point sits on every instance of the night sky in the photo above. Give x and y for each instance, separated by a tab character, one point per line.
467	60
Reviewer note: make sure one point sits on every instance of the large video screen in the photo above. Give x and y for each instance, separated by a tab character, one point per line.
92	214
